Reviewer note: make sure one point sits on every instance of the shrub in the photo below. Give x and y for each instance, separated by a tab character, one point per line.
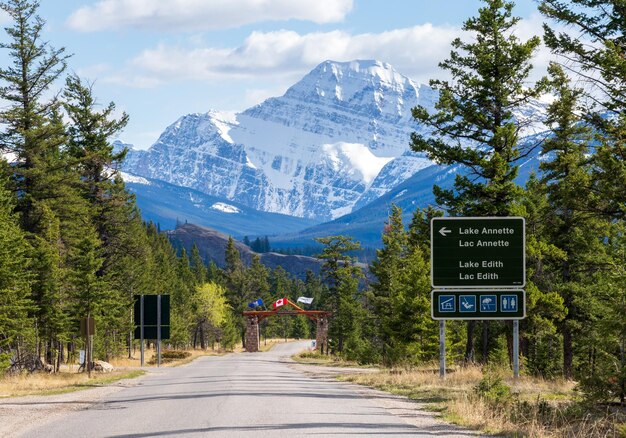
493	389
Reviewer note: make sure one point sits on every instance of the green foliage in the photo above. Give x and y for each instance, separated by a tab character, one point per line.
15	302
473	124
602	65
344	300
493	389
399	303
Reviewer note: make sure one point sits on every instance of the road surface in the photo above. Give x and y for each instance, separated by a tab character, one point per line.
237	395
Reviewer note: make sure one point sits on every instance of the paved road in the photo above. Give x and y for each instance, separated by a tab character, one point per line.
238	395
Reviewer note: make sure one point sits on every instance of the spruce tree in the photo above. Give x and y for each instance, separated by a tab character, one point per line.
29	134
577	233
476	123
341	276
388	289
596	51
15	303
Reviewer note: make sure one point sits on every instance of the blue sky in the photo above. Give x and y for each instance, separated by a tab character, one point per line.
161	59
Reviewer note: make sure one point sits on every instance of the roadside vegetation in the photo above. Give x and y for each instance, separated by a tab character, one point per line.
73	244
59	383
492	402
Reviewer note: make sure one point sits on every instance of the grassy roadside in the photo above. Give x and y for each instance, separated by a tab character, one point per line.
492	402
315	358
59	383
69	380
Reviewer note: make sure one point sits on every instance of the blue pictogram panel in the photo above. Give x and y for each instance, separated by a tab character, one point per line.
488	303
509	303
447	303
467	303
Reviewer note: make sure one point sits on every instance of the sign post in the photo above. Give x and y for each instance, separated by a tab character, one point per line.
87	329
152	321
158	347
442	349
478	271
141	319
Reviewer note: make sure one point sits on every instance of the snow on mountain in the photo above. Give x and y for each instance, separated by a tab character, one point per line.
336	140
128	178
225	208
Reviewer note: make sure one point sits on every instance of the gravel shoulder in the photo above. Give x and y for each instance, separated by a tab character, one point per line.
412	412
20	414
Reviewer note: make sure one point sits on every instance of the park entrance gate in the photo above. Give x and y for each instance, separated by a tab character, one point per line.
254	317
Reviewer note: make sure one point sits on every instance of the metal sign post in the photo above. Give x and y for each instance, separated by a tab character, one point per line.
158	330
141	321
442	349
516	349
89	351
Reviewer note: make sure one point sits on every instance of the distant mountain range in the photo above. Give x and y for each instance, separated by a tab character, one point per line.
335	140
169	205
334	147
212	248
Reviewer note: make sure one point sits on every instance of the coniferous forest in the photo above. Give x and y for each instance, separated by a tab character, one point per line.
73	244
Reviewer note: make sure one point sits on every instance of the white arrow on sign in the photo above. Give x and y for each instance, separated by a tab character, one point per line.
444	231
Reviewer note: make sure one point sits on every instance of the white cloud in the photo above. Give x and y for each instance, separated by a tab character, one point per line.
414	51
285	55
190	15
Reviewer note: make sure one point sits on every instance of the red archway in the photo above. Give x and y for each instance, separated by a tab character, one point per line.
253	317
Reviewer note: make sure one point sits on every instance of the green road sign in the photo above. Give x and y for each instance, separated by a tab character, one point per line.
478	304
478	252
150	316
150	332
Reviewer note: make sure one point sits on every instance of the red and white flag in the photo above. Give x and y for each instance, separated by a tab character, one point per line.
280	302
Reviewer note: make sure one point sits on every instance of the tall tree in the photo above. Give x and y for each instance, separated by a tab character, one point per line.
342	277
596	51
29	133
476	123
15	302
572	229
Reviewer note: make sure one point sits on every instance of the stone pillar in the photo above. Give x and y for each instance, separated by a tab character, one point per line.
321	337
252	334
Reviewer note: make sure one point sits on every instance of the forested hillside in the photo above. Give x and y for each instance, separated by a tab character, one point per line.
73	244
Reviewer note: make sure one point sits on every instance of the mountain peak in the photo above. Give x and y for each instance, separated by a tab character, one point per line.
351	80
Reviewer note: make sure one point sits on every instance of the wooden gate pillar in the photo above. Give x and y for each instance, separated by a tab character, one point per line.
321	338
252	334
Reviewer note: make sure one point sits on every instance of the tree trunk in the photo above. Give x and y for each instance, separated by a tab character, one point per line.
469	345
485	341
568	353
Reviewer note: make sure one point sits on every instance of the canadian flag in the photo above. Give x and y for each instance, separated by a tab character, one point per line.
280	302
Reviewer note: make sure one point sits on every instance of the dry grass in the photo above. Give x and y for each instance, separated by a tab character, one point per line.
150	358
313	357
68	379
65	381
535	407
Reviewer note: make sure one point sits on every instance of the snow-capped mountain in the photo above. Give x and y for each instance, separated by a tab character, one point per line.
336	138
335	141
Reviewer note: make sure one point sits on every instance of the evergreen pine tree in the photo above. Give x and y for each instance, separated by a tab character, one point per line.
474	123
15	303
341	276
577	233
596	50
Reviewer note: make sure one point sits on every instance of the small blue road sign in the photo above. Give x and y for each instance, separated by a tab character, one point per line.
508	303
488	303
447	303
467	303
